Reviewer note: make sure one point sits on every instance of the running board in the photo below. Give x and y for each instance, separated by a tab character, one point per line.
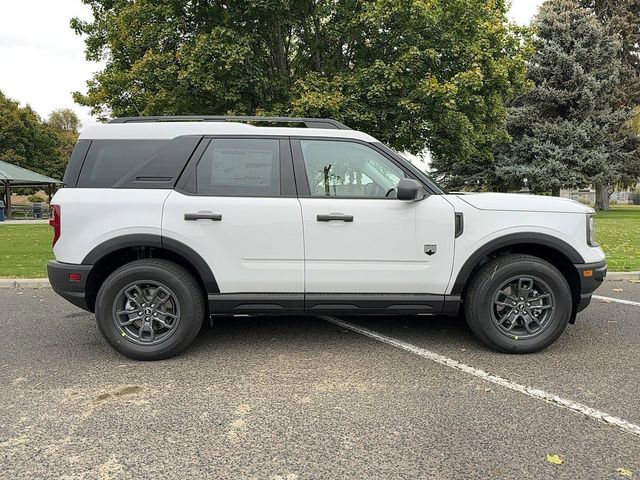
333	303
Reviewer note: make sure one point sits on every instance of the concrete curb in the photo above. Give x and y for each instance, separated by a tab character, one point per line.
24	283
44	282
623	276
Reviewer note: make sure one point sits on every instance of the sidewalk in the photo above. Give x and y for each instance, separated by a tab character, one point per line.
25	222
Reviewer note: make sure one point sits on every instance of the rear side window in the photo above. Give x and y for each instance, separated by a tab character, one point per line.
109	160
247	167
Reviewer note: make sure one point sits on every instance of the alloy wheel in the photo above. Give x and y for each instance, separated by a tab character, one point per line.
523	307
146	312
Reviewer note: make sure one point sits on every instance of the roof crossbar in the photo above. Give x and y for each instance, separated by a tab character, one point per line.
308	122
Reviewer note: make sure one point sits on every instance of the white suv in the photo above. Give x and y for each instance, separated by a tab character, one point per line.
165	221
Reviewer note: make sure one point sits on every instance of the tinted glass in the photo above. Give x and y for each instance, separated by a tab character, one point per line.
74	166
346	169
109	160
240	167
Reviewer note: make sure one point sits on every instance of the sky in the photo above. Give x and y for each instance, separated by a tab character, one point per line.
42	60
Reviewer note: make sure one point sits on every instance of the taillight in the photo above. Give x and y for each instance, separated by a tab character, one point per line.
54	221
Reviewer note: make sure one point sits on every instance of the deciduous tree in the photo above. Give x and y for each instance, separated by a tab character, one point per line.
27	141
416	74
65	124
64	120
24	139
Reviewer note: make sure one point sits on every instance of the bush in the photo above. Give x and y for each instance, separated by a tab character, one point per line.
35	199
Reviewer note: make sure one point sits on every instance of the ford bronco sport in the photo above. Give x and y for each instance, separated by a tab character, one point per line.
165	221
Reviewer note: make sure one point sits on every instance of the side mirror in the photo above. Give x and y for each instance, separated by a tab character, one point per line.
410	189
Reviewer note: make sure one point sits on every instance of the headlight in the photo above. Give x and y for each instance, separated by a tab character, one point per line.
591	230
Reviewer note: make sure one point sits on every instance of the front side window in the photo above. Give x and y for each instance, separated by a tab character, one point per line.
346	169
240	167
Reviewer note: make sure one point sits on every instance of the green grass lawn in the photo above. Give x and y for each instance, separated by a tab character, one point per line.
618	232
25	249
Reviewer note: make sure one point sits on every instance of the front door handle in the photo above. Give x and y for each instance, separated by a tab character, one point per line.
334	216
214	217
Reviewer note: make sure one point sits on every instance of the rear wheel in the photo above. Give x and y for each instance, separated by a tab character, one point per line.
150	309
518	304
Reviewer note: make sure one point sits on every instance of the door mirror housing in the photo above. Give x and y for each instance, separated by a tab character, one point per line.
411	190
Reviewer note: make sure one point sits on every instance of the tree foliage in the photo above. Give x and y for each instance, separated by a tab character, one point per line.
621	18
570	130
635	121
27	141
414	73
65	123
64	120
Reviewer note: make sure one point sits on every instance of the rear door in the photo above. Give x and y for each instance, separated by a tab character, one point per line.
236	206
358	238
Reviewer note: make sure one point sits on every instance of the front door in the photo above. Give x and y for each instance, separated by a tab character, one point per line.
358	238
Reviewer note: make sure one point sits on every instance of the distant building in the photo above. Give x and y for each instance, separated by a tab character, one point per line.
588	196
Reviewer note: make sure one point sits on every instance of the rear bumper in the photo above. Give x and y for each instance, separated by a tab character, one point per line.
591	277
73	291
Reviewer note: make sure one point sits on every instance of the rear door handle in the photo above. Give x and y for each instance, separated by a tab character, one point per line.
334	216
214	217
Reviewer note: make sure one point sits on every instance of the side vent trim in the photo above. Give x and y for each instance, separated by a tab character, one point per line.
459	224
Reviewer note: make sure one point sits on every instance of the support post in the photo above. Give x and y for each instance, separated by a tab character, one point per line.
7	188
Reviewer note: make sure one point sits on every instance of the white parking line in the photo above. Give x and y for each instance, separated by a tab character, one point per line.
495	379
616	300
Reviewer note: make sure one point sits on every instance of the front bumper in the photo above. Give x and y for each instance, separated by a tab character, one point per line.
591	277
73	291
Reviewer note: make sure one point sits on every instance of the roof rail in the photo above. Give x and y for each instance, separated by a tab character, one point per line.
308	122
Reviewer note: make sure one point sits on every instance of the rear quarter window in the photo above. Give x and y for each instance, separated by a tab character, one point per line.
74	166
107	161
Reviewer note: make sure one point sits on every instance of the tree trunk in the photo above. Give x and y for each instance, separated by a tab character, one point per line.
316	31
602	197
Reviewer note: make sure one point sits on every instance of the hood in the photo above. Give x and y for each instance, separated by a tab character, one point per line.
523	203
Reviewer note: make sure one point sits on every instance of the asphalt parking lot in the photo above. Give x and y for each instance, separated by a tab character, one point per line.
303	398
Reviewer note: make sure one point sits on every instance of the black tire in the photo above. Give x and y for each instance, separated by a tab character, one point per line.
185	304
490	298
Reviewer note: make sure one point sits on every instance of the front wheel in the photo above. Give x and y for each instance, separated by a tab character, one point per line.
150	309
518	304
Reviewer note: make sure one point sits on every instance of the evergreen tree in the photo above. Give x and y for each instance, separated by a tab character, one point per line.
569	130
621	18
